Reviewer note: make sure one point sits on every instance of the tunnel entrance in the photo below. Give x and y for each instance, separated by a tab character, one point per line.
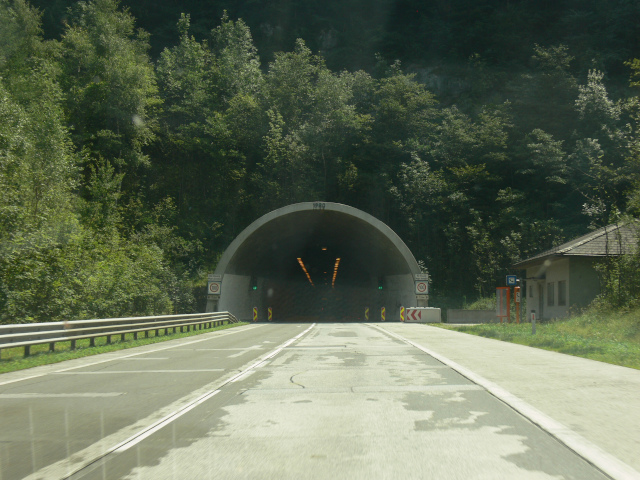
316	261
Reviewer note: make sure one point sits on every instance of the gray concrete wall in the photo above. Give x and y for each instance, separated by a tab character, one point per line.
471	316
551	272
399	293
239	305
582	286
584	283
557	271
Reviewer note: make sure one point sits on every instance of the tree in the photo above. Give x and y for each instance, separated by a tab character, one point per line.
110	86
545	94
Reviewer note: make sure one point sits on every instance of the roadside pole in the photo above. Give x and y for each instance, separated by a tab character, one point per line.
533	322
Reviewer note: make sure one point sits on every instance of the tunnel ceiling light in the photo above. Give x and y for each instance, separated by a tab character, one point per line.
335	272
304	269
324	249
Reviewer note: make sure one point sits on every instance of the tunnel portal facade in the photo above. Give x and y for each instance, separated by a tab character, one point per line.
315	261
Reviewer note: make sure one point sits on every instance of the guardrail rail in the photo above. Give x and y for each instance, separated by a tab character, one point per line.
29	334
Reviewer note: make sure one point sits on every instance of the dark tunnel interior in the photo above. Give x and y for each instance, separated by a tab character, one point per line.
319	266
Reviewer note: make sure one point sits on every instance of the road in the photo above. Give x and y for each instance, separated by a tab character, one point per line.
270	401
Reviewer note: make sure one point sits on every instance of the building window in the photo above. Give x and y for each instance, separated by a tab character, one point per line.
551	290
562	292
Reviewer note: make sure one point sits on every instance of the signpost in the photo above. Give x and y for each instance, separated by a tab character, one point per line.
512	281
402	314
270	314
255	314
383	314
366	314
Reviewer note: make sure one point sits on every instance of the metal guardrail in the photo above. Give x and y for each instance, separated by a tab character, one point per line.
29	334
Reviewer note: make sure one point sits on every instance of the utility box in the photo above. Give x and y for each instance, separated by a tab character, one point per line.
423	315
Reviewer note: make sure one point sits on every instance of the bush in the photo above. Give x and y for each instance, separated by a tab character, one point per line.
86	277
485	303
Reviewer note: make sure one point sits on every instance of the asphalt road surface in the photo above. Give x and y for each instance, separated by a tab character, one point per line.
326	401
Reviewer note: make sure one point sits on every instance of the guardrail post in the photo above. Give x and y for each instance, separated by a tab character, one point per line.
122	335
73	344
52	347
92	342
146	334
135	335
108	339
27	350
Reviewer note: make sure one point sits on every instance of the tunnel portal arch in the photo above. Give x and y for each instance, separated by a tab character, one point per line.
316	261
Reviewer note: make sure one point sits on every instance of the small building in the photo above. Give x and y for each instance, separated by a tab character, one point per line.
565	276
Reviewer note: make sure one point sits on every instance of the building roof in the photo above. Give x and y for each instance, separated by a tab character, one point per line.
611	240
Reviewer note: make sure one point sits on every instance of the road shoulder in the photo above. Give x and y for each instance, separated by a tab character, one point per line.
598	401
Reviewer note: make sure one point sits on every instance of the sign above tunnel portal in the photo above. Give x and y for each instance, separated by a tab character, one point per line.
320	236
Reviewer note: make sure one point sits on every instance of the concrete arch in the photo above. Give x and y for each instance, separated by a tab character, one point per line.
289	255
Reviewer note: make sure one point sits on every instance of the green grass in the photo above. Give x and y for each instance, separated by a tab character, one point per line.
13	358
612	337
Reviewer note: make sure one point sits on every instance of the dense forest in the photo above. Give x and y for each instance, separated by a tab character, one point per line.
138	139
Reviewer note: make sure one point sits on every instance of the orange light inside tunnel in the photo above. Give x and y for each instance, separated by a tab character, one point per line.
335	272
304	269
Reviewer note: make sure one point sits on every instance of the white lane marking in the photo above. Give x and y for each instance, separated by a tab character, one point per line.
133	440
26	396
243	376
607	463
110	372
210	349
147	358
245	351
212	337
262	361
137	437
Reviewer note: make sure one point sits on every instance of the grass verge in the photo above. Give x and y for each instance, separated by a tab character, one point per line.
612	337
13	358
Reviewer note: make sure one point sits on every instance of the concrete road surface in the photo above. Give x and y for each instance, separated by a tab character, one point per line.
272	401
